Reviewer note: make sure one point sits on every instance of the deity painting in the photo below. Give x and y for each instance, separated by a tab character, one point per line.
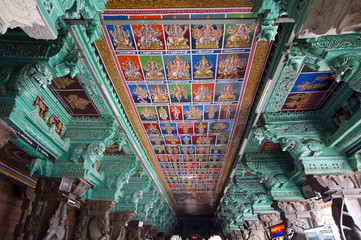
232	66
222	139
313	82
149	37
303	101
204	140
180	92
176	113
220	127
172	140
177	36
188	150
156	140
203	92
130	66
176	158
228	92
163	113
228	111
211	112
139	93
207	36
193	112
66	82
189	158
218	150
159	93
162	158
215	158
172	149
178	67
239	35
202	158
340	116
121	37
354	102
269	147
200	127
168	128
147	113
185	128
152	128
186	140
159	149
152	67
204	66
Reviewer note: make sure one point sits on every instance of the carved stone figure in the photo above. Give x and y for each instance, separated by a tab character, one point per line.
57	222
328	17
347	68
42	166
311	148
294	230
6	133
77	153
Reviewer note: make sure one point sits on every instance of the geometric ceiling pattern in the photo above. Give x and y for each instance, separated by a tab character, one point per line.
184	88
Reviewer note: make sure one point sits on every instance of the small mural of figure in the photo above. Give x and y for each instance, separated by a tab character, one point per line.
121	38
239	35
148	37
207	36
176	37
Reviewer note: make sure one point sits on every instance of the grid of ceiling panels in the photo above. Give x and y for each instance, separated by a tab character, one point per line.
185	82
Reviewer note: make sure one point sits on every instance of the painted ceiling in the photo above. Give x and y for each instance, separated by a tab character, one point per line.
187	89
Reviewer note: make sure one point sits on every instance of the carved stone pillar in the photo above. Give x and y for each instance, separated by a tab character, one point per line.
145	230
298	215
44	206
270	219
239	235
133	231
328	17
153	232
345	191
119	222
256	230
24	14
99	226
160	236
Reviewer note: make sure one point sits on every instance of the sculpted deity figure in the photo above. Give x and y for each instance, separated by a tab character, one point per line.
207	36
153	71
148	37
57	222
239	35
121	38
178	69
227	94
203	69
176	39
131	71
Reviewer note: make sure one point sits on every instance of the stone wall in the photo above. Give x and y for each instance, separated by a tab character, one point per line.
11	201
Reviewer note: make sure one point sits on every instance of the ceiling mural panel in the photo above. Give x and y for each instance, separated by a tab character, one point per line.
71	94
183	87
310	91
